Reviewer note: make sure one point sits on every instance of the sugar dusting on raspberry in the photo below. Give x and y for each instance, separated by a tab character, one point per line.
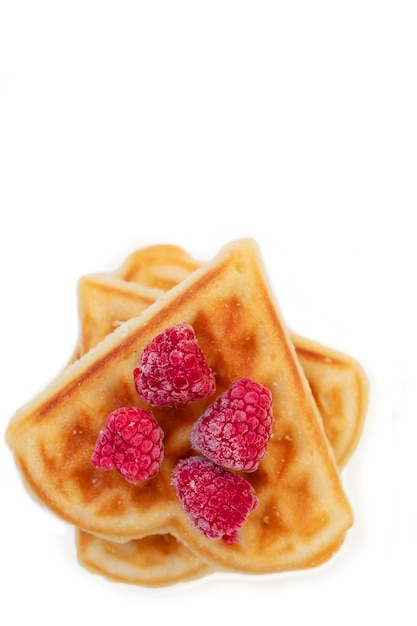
217	501
234	431
173	369
130	442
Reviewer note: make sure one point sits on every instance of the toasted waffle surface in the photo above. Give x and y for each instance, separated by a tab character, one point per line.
157	560
116	295
303	512
340	389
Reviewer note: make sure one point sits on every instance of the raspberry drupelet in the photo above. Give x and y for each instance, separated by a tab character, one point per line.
217	501
130	442
173	369
234	430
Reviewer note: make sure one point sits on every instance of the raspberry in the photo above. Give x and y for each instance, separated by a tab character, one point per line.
235	429
173	369
217	501
130	442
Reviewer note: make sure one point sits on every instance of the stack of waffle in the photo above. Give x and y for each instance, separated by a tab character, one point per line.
139	533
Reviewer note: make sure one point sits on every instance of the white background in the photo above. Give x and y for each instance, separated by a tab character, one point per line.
124	124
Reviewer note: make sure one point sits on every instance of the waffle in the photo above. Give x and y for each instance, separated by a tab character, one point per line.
153	561
160	266
303	513
104	302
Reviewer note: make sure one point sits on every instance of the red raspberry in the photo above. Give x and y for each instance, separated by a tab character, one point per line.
235	429
173	369
217	501
131	443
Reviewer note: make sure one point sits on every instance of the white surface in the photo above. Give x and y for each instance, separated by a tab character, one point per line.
124	124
